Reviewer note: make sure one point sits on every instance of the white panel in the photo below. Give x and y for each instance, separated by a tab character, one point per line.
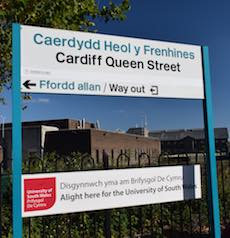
57	193
68	62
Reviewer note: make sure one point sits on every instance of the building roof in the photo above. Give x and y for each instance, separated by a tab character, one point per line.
64	123
198	134
138	131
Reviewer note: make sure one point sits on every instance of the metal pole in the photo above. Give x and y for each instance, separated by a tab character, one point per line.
16	135
3	126
107	212
1	178
213	200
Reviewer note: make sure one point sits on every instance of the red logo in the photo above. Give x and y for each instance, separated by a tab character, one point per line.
39	194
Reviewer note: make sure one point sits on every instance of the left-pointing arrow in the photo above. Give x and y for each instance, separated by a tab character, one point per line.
27	84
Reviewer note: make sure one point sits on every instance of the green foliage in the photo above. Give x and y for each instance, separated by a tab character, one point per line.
65	14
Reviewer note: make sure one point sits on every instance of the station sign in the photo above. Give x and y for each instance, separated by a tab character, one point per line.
70	62
65	62
60	193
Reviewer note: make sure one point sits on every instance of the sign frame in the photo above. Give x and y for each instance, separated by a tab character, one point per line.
213	200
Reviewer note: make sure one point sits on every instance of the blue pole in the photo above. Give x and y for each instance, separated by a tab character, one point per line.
16	135
213	200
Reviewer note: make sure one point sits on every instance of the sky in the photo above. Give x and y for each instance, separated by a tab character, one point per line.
195	22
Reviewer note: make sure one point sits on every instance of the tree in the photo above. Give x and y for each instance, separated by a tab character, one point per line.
66	14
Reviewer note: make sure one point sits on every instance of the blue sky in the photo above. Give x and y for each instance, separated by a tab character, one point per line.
197	22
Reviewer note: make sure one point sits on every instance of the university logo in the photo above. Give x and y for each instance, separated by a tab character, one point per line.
39	194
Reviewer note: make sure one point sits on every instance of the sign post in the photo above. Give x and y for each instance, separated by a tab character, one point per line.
213	200
67	62
17	133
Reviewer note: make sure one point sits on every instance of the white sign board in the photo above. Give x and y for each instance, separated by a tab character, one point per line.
59	193
68	62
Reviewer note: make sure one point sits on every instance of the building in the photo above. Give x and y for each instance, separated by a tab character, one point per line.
96	142
33	133
33	137
190	141
65	136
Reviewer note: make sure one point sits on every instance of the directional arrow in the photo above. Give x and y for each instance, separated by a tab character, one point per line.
27	84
